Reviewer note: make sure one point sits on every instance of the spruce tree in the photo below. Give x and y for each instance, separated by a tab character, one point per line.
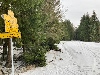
94	28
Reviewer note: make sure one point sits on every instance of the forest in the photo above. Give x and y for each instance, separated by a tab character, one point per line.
89	28
41	26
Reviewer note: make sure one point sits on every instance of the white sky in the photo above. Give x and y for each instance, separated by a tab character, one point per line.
77	8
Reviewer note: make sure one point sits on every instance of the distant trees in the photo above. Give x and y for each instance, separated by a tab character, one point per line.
68	30
89	29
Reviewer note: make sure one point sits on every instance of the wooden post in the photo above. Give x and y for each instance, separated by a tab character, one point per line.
8	63
10	56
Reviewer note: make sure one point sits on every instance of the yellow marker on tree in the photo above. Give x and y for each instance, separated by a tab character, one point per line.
11	26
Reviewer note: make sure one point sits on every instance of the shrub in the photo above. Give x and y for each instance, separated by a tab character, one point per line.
50	42
35	55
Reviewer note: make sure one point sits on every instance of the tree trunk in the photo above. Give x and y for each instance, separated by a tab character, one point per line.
4	50
8	63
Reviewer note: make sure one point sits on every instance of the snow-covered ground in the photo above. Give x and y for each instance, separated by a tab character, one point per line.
75	58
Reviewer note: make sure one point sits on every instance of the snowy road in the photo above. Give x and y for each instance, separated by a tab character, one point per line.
76	58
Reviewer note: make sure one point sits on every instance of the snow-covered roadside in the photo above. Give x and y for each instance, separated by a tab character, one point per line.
76	58
18	65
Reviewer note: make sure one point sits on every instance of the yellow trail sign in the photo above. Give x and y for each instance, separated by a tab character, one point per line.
11	26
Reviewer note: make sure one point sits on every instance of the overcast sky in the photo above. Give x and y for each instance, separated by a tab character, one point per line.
77	8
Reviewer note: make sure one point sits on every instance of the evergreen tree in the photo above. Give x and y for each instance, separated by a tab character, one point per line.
38	20
94	28
53	28
88	29
69	30
85	28
83	31
30	22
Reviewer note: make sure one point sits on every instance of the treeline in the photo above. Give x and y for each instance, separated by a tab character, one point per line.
40	25
89	28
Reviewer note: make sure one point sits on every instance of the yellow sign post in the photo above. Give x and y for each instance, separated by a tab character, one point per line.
11	30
